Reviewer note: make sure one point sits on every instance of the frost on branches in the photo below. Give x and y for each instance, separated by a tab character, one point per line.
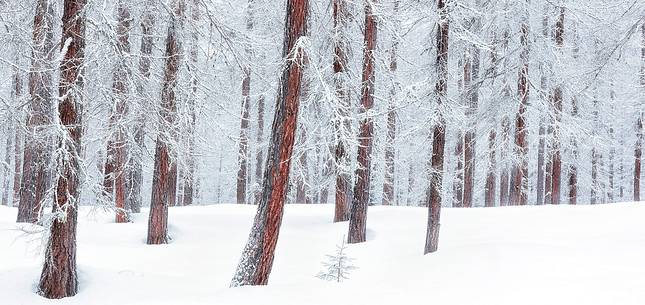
337	266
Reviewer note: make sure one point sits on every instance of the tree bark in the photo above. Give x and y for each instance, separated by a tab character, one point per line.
390	151
165	170
504	179
257	258
189	173
489	192
638	151
361	194
439	133
59	278
258	153
341	120
37	151
541	129
556	169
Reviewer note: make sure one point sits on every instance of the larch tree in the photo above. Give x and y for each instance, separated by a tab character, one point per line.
59	277
163	194
519	175
256	262
258	152
36	173
471	89
390	150
341	114
243	150
439	131
361	193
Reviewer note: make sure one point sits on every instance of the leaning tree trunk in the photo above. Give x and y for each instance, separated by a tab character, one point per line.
439	133
243	149
37	149
342	120
165	168
257	258
58	278
390	150
519	183
189	174
361	194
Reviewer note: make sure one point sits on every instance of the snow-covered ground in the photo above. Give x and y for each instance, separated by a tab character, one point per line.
516	255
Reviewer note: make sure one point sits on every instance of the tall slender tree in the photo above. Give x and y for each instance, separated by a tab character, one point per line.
59	278
189	175
341	114
255	265
556	162
37	149
638	150
439	133
390	150
258	152
361	194
162	182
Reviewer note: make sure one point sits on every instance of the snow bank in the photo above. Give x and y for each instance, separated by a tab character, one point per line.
515	255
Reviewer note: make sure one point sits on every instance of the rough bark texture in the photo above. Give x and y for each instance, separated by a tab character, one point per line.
257	259
58	278
361	194
519	183
258	153
37	149
390	150
342	121
165	169
439	133
243	149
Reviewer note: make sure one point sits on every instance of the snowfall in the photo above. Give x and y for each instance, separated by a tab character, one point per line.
511	255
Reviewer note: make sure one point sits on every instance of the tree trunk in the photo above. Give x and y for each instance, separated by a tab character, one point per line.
556	169
519	185
361	194
458	182
504	179
189	173
471	88
258	153
302	178
390	151
13	140
541	129
439	133
36	160
165	170
58	278
489	192
341	120
243	150
573	169
639	128
7	162
257	258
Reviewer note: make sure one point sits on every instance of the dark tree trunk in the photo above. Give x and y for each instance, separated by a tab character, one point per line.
58	278
361	194
189	173
504	179
257	258
341	121
165	170
258	153
556	169
37	149
390	151
519	185
243	150
439	133
489	191
471	88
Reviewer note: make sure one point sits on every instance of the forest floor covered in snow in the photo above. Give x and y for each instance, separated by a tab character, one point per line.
512	255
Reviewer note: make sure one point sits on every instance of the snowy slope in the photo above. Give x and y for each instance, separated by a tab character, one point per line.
515	255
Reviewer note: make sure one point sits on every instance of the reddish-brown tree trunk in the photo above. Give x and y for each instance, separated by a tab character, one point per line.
37	149
342	120
361	194
258	153
58	278
165	170
519	184
390	150
556	169
257	258
439	133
